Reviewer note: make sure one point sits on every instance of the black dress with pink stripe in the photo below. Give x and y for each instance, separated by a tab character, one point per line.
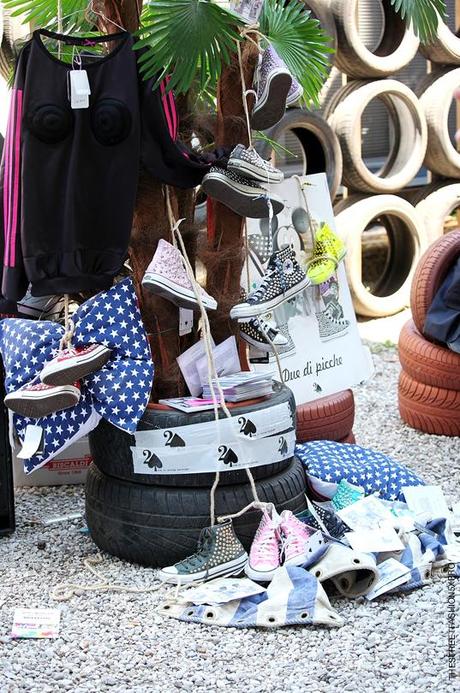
68	177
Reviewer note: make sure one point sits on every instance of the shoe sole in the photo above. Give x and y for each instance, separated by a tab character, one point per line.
292	100
271	106
231	568
259	575
335	336
253	172
282	354
242	199
264	346
38	404
75	369
252	311
184	298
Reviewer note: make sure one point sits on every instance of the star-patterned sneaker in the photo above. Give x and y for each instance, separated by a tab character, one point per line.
272	82
37	399
283	280
245	197
328	251
256	331
248	163
74	364
331	327
167	277
219	553
264	556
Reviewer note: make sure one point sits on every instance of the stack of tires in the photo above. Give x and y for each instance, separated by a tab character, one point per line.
155	520
429	384
327	418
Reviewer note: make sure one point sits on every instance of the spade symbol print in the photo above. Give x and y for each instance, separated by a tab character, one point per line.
173	440
152	461
227	456
247	427
283	447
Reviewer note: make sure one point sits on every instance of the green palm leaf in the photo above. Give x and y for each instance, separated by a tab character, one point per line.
423	14
186	38
43	13
299	41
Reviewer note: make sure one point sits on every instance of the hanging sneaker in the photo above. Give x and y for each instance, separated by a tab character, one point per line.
283	279
256	331
331	327
272	82
248	163
245	197
264	556
328	251
295	93
219	553
289	348
300	541
166	276
74	364
37	399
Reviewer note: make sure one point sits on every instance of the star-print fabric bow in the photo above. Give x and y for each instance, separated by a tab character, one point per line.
119	391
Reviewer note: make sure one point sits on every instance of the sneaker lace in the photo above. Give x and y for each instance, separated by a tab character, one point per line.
266	544
196	559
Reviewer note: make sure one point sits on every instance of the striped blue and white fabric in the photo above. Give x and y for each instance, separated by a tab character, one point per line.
327	463
293	598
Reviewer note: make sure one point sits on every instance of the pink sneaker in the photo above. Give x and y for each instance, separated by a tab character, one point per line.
36	399
74	363
264	556
299	540
166	276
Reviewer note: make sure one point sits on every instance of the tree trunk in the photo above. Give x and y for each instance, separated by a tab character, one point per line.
225	228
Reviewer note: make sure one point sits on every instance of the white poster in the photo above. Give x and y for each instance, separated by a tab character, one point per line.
324	353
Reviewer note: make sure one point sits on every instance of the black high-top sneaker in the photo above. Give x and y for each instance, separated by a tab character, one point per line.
283	279
245	197
261	334
219	553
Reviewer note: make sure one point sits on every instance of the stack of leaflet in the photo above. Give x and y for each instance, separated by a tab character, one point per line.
240	386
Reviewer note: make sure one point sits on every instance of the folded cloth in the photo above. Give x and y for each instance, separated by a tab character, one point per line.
293	598
442	321
327	463
352	573
119	391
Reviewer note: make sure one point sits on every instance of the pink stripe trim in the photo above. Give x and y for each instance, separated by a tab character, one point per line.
17	166
174	112
8	148
166	109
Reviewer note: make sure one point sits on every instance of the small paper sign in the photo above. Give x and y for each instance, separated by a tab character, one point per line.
36	623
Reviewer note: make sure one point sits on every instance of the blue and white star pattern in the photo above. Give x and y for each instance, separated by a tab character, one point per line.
331	462
119	391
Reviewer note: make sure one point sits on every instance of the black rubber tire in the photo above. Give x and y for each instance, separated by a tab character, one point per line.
319	142
110	447
157	525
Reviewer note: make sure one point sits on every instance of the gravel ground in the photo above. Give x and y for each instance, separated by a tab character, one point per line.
117	641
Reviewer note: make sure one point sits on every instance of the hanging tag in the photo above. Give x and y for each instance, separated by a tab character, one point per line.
185	321
33	442
79	89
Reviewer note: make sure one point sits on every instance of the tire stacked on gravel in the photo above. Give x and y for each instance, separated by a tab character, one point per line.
429	384
155	520
327	418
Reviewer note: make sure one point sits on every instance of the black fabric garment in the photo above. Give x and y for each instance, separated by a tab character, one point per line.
442	322
68	177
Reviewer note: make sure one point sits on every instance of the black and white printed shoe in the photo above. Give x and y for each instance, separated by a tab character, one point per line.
289	348
245	197
262	335
283	280
272	82
330	327
248	163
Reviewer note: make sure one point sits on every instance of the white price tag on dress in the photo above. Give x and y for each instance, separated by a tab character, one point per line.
79	89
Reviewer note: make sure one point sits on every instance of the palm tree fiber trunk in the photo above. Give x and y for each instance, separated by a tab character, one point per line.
225	256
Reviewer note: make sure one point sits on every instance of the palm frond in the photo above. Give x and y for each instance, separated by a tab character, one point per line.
43	13
186	38
299	41
424	15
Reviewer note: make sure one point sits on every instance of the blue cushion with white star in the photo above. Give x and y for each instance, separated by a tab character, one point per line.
327	463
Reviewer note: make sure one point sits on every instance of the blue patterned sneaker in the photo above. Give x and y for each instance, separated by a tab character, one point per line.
295	93
272	82
283	280
219	553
